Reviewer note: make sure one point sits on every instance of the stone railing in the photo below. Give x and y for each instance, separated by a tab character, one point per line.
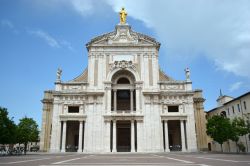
74	87
172	87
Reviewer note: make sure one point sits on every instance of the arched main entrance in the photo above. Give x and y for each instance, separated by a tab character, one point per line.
123	91
123	99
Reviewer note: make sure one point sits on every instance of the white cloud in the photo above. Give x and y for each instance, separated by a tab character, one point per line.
219	30
51	41
46	37
235	86
8	24
66	44
84	7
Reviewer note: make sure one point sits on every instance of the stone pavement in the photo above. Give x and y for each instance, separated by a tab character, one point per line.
132	159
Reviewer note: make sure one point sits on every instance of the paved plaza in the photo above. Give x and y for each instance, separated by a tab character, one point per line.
121	159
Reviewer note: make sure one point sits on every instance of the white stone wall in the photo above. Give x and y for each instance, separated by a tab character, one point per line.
94	133
56	126
148	99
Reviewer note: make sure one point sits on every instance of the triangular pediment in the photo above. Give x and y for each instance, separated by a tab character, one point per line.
123	35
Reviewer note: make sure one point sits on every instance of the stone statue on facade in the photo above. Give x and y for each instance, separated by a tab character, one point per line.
58	75
187	72
123	16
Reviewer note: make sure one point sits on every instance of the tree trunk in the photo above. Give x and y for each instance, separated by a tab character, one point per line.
221	148
25	147
236	146
229	146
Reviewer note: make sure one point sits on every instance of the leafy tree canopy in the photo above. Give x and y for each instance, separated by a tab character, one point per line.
27	130
7	128
239	128
219	128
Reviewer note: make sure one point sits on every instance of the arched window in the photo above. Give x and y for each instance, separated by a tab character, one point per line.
123	93
223	113
123	80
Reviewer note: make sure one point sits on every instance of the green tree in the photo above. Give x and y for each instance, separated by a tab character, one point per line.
248	125
219	128
7	128
27	132
239	128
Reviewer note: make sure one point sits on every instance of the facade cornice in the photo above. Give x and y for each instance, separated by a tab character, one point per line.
81	93
177	93
199	100
172	82
122	115
75	117
173	117
45	101
133	39
73	83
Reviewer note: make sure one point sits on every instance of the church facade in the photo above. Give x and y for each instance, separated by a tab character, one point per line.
122	102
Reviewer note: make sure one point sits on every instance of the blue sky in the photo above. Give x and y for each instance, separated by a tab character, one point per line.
212	38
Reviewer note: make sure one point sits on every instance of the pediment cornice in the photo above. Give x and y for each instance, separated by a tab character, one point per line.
123	36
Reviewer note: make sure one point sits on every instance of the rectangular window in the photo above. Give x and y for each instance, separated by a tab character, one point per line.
228	111
73	109
173	109
238	107
233	109
245	105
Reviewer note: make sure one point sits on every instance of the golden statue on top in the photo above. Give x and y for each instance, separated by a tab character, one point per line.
123	16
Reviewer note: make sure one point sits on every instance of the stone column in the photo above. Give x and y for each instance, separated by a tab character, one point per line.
114	136
137	99
131	100
183	142
132	136
108	96
80	137
107	136
84	137
115	100
166	136
64	136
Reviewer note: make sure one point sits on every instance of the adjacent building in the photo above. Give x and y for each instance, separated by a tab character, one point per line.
123	102
231	107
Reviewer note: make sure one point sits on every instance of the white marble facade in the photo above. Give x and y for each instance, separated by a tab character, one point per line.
123	101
